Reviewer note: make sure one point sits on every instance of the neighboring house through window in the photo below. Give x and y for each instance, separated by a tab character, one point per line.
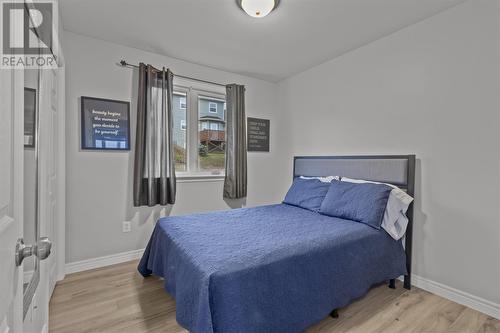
199	135
179	116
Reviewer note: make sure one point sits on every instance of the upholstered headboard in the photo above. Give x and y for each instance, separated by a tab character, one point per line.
398	170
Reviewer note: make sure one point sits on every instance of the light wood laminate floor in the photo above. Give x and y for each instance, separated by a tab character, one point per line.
118	299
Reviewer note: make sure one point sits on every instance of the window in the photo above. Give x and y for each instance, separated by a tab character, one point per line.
179	134
211	156
199	135
212	107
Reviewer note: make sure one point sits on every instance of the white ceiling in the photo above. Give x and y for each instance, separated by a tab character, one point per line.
298	35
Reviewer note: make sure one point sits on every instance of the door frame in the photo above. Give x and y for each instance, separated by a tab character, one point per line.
18	171
60	228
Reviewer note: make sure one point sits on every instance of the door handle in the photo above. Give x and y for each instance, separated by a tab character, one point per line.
22	251
41	249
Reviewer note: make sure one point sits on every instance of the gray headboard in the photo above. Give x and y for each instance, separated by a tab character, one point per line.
398	170
393	169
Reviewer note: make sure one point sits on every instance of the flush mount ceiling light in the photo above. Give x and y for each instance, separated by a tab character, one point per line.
258	8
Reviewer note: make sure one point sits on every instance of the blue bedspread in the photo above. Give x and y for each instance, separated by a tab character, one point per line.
273	268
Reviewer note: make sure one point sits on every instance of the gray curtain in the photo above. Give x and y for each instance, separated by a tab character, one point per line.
154	163
235	183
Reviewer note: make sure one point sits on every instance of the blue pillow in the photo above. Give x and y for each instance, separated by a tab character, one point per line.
307	193
363	203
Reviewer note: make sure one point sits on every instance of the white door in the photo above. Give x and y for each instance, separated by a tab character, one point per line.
25	294
11	198
48	194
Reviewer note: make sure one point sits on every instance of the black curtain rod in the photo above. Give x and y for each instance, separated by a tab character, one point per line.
123	63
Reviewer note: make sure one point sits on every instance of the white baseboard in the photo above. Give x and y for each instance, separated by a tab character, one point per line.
457	296
85	265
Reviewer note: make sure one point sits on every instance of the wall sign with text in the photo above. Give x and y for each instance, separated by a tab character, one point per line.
258	134
105	124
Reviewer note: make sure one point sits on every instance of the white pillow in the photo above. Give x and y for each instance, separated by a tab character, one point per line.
395	220
327	179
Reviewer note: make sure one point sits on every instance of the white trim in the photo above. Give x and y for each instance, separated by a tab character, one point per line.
200	179
85	265
60	232
221	98
457	296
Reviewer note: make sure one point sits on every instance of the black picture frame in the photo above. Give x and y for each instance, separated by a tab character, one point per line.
258	135
98	112
30	109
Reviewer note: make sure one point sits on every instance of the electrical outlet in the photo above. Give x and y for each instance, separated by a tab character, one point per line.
126	226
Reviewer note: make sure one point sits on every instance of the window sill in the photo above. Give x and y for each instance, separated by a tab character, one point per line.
199	178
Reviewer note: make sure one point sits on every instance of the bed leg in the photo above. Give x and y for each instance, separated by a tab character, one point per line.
407	282
334	313
392	283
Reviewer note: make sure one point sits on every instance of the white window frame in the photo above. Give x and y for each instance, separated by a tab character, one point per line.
183	125
210	107
195	93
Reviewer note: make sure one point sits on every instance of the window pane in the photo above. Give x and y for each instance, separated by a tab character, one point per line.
179	135
212	135
212	107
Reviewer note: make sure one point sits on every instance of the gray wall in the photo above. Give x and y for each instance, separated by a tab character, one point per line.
430	89
98	184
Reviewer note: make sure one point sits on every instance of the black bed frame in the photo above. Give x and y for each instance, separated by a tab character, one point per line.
408	185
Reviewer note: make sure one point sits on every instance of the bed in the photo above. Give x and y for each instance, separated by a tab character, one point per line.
278	268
